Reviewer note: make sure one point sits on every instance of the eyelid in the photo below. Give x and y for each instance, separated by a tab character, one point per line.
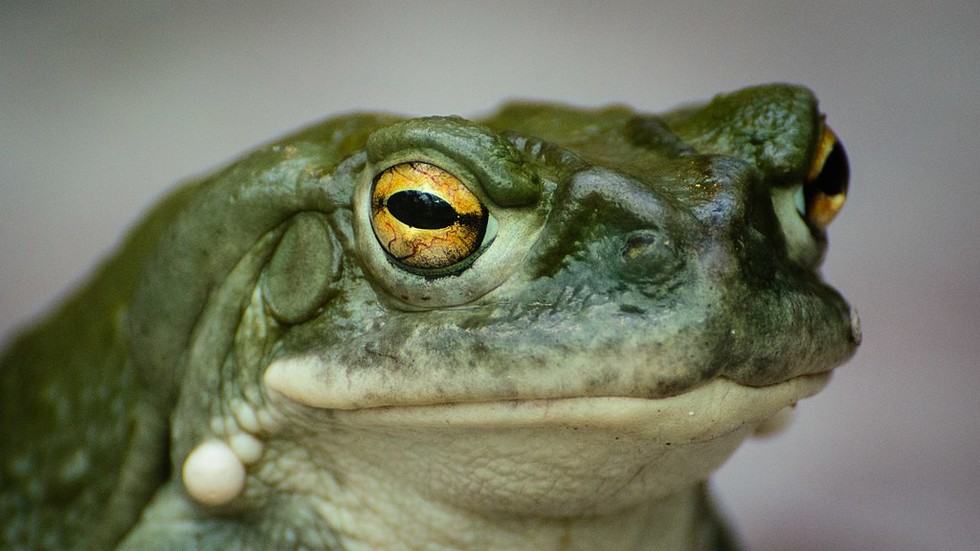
504	177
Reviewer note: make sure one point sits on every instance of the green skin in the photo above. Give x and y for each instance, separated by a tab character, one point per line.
638	256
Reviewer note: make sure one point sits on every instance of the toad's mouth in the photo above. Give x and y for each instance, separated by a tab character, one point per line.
709	411
713	408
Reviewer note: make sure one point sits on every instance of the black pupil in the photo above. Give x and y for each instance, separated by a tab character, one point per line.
422	210
833	178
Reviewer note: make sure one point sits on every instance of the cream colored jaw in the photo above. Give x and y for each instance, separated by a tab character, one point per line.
714	408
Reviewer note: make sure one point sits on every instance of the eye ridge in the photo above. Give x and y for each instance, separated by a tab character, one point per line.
421	209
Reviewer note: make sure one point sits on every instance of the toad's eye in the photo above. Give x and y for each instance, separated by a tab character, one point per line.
426	219
826	183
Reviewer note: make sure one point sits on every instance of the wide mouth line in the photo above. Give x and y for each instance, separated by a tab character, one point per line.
718	406
311	383
546	400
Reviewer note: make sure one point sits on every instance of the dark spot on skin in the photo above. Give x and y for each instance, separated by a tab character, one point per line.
631	309
640	239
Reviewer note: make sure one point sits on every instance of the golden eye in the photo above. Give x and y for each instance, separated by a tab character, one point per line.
826	183
425	218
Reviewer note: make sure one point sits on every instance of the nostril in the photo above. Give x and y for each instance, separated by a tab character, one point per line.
650	259
638	243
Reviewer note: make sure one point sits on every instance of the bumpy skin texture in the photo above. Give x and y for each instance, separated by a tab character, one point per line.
635	255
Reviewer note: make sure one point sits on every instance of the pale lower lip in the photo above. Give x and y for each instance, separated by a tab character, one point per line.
719	406
311	382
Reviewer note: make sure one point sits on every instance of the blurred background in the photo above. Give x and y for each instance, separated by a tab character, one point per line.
105	106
